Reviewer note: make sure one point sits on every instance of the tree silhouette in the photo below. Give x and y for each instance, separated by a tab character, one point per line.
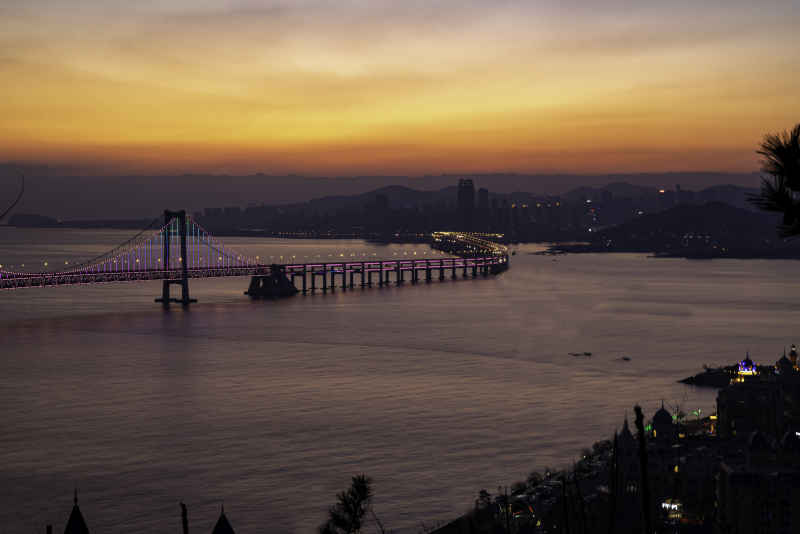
780	192
347	515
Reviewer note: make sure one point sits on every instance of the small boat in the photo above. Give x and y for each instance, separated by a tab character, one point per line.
626	358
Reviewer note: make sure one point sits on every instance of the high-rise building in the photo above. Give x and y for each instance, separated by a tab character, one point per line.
466	203
483	199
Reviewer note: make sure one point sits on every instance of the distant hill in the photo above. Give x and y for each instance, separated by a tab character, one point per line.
734	195
715	218
617	189
710	230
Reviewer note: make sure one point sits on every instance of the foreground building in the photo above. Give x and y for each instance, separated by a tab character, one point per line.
760	494
76	524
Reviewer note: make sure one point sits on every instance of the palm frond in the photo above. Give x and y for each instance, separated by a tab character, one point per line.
780	154
780	159
775	195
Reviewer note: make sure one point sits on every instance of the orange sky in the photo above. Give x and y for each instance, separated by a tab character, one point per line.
355	87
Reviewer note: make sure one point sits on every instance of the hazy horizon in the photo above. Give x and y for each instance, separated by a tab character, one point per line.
133	196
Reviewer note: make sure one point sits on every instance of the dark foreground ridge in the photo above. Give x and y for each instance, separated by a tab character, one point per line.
734	471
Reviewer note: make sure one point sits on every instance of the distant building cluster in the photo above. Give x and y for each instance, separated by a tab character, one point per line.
401	211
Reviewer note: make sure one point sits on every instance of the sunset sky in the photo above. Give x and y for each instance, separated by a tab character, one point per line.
387	87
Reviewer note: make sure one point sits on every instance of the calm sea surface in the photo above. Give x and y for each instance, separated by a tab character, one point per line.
435	390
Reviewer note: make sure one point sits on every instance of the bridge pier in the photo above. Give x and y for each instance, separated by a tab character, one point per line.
183	281
304	279
165	299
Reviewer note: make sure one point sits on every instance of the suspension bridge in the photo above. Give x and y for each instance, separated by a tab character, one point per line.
181	249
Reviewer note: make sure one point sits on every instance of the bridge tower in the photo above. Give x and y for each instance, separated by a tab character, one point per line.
183	281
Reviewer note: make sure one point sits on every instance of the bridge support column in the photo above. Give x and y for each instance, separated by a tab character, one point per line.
363	273
398	274
453	276
474	270
304	279
351	279
380	276
324	278
183	281
427	272
441	271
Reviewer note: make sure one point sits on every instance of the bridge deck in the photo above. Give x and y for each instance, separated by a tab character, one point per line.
25	280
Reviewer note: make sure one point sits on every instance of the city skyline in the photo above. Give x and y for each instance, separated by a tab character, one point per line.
353	88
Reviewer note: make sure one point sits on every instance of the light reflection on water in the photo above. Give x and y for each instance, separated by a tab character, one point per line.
435	390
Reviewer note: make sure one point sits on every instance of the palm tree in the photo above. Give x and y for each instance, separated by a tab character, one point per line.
780	192
347	515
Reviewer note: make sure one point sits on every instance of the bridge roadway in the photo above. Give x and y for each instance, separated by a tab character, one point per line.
484	264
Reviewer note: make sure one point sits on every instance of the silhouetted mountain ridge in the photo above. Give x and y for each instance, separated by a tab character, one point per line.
62	194
703	231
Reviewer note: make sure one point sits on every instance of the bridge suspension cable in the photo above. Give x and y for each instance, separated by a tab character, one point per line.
16	201
114	250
